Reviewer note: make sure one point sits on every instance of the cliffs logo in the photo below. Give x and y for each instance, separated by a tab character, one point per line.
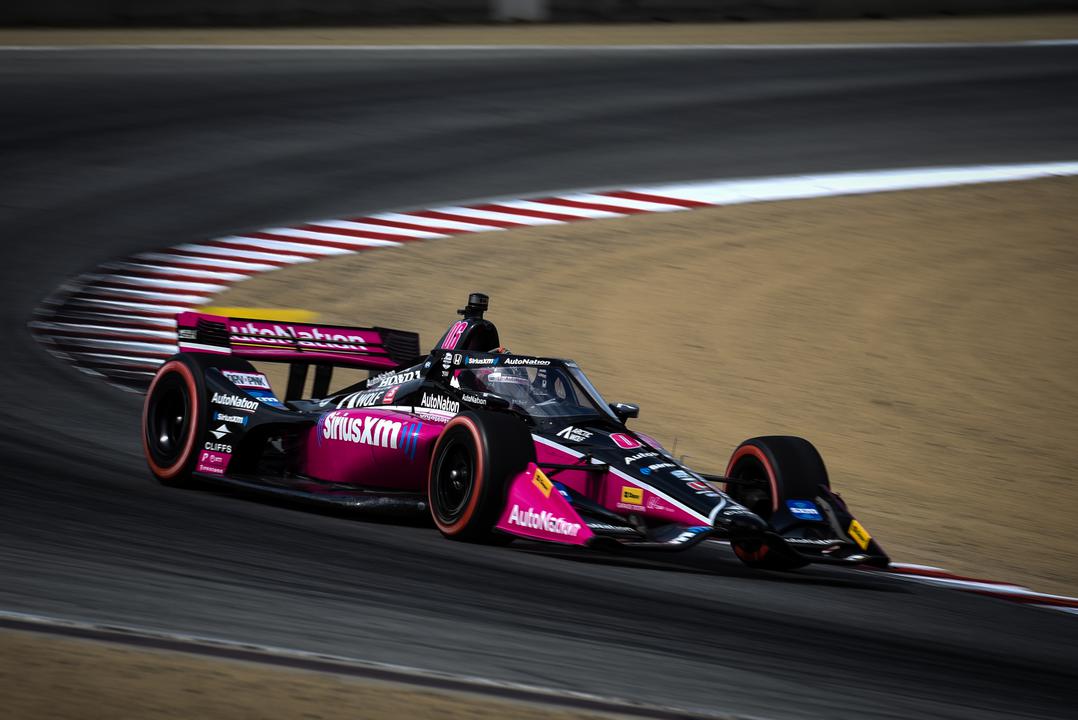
544	520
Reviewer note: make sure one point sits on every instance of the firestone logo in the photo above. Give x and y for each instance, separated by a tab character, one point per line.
543	521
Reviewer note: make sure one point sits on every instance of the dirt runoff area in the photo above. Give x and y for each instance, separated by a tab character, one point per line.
44	677
972	29
924	341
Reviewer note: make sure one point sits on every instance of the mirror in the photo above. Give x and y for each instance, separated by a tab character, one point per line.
624	411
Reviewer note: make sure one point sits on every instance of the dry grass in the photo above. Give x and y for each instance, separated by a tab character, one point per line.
47	678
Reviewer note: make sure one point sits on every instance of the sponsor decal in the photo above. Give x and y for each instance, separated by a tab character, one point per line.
474	399
302	335
453	336
386	379
655	504
813	541
688	534
235	401
574	434
736	510
702	488
859	534
375	431
481	360
218	447
660	466
447	361
624	441
640	456
220	432
266	397
360	399
542	521
390	394
803	510
542	482
187	334
681	474
440	402
247	380
212	463
526	361
632	495
222	417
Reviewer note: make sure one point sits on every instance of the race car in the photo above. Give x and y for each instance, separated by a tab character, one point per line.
491	445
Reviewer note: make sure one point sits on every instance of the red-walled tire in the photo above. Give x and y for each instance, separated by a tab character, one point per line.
778	468
474	458
173	418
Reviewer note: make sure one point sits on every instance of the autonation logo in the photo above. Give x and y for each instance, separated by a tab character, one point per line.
542	521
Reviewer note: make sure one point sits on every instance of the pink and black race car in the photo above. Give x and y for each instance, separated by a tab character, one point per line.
493	445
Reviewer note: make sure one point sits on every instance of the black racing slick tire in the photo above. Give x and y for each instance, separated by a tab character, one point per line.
173	418
473	460
772	470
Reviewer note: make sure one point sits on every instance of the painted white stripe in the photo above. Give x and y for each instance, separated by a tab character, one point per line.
433	223
162	283
794	187
83	315
143	294
559	209
384	229
130	267
285	247
185	345
122	305
465	212
332	237
222	263
113	358
626	202
132	346
233	253
113	329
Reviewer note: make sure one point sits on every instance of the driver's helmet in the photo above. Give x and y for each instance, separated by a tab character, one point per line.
509	383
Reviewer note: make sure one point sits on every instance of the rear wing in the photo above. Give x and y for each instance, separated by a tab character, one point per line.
300	345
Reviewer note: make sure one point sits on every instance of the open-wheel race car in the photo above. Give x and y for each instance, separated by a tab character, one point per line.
491	444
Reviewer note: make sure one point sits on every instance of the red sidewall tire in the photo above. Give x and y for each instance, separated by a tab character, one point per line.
181	468
755	452
461	525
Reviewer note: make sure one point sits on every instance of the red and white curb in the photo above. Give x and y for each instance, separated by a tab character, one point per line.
118	322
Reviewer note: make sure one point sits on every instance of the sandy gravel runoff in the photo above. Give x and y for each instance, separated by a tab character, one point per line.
972	29
44	678
924	340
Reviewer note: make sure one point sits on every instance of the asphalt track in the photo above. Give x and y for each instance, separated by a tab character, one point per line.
109	152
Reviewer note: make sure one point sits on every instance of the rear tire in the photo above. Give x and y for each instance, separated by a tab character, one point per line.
777	468
173	418
473	460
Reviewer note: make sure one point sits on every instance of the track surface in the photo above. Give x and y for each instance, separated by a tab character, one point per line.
106	153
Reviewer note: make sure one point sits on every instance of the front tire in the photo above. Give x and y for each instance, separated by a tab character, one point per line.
474	458
173	418
772	469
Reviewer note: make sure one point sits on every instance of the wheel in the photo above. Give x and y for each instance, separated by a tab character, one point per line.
172	421
774	469
475	456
